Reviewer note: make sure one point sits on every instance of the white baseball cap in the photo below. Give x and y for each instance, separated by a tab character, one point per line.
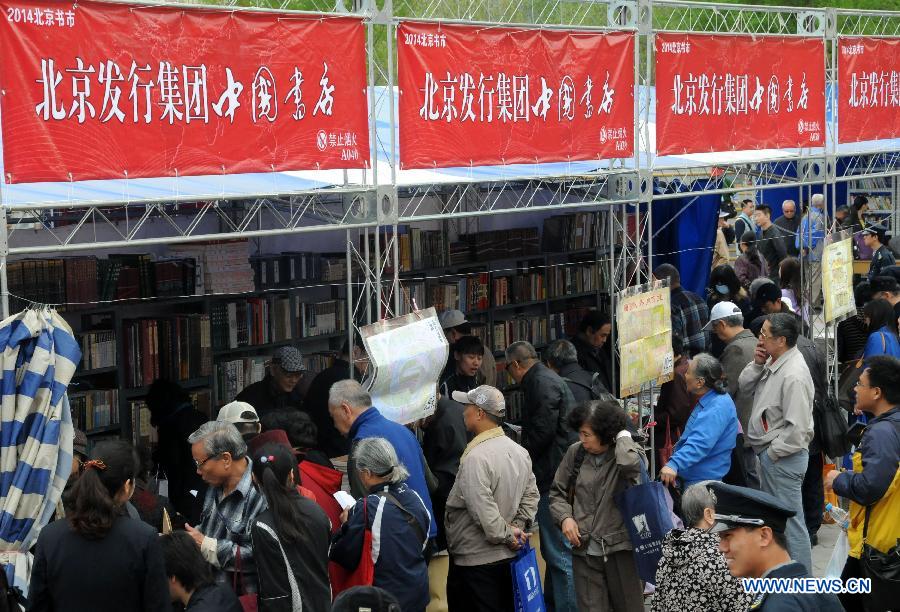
722	310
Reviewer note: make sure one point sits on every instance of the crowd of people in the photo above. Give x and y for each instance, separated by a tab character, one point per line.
250	509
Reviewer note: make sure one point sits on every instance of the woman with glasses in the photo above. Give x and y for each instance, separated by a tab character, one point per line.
98	559
692	574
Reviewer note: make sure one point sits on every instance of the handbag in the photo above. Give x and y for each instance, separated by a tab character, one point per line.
296	600
737	472
645	512
668	449
883	569
528	596
249	601
364	574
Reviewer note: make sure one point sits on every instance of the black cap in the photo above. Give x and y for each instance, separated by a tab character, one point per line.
767	293
365	598
884	283
876	230
743	507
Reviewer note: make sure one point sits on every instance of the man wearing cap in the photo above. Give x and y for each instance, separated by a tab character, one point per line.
455	326
278	390
780	428
491	507
751	526
727	323
243	416
875	237
887	288
768	301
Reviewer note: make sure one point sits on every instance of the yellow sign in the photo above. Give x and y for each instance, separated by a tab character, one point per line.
837	279
644	322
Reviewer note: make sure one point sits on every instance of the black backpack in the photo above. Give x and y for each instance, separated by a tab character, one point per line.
597	389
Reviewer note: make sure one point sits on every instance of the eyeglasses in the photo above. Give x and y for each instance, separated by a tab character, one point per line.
200	464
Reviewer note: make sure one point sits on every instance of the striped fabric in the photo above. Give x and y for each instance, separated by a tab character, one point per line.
39	357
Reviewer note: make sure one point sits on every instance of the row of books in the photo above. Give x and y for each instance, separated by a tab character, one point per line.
519	289
177	348
234	375
250	322
532	329
98	349
580	278
295	269
583	230
322	318
222	266
94	409
418	249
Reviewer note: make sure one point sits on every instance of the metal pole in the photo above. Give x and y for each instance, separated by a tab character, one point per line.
350	310
4	263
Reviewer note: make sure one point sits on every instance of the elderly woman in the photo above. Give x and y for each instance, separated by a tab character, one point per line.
582	503
399	523
704	450
692	574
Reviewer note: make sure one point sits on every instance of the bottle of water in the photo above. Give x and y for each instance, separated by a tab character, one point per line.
840	516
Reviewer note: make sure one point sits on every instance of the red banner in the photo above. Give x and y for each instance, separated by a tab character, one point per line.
97	90
868	88
723	93
476	95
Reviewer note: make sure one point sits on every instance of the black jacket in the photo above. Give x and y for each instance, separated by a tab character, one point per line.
173	455
815	361
308	559
545	434
795	602
457	382
122	572
594	360
580	382
331	442
214	598
265	398
443	444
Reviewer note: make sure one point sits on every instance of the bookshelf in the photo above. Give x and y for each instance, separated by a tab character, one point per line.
140	317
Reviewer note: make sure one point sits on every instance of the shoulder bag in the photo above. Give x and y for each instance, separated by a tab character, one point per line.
296	600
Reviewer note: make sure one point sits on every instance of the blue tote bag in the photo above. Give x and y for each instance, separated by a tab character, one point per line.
526	579
647	517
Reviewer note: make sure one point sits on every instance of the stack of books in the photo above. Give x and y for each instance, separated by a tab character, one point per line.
322	318
94	409
177	348
223	266
98	349
236	374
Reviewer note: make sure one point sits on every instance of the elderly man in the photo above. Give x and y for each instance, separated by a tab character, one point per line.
546	437
278	390
562	358
490	509
811	240
789	223
727	323
780	428
231	504
354	416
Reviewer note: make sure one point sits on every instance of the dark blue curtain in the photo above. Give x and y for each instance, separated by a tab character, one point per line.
687	233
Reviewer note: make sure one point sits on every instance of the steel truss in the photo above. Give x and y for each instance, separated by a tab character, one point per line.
369	213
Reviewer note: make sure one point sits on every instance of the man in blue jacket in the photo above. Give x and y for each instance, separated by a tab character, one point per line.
354	416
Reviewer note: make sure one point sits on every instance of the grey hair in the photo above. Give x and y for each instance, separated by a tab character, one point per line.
785	325
378	456
695	500
817	200
791	202
521	351
349	392
735	320
710	369
560	353
219	437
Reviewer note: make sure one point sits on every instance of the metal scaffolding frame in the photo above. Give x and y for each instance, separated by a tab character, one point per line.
372	210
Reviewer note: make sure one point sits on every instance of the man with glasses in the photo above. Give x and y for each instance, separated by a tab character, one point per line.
231	504
279	389
780	428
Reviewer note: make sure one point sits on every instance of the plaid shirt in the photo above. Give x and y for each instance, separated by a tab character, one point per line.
689	315
228	521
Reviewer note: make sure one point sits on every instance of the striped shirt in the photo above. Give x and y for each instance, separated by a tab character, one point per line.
228	521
